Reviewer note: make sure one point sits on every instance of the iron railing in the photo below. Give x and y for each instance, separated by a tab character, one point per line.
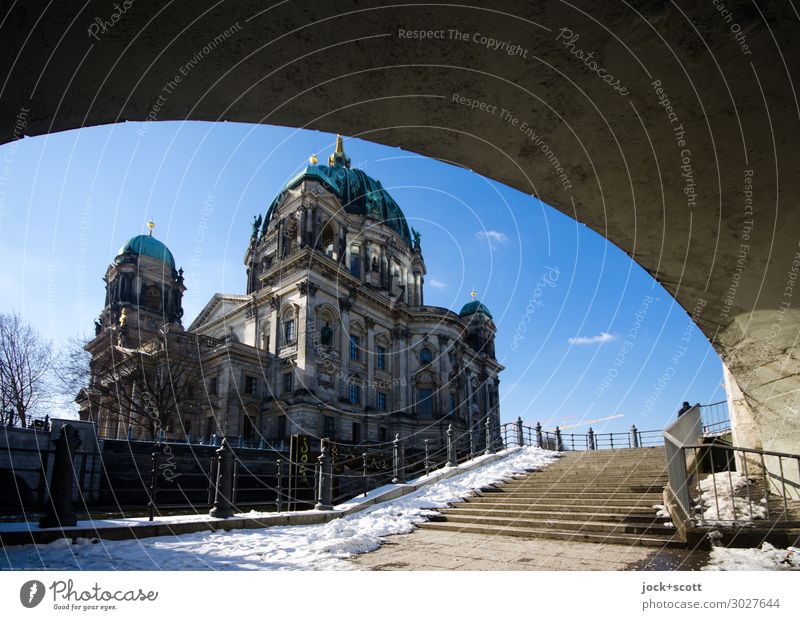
717	483
734	485
517	434
167	477
715	418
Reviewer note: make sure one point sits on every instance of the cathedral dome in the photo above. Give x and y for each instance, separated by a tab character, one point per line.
147	245
473	307
358	192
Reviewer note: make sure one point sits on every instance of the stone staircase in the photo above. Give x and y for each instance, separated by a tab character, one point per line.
604	496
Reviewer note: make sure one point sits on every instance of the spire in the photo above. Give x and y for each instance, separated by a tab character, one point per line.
474	294
338	158
150	226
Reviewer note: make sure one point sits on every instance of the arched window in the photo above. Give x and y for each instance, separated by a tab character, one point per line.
289	327
152	298
355	261
326	242
425	356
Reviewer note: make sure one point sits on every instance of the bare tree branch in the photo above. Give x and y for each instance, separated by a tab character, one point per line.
25	360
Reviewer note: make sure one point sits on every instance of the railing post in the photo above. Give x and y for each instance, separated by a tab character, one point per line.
471	443
399	461
489	446
520	436
151	505
279	486
538	434
59	508
427	457
366	480
452	460
591	439
325	496
559	442
634	436
223	508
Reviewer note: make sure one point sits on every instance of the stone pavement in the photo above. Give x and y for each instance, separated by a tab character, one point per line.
438	550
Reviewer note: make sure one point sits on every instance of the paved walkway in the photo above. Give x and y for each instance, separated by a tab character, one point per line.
437	550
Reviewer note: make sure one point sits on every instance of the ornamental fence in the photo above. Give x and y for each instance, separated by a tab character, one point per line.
517	434
121	477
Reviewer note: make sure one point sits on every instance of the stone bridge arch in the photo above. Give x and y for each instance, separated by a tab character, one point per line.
671	130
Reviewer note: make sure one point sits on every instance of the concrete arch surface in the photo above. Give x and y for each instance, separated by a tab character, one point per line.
670	128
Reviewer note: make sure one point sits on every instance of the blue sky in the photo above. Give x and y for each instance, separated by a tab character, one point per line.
585	333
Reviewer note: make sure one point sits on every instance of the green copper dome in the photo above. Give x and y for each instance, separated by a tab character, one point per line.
358	192
147	245
473	307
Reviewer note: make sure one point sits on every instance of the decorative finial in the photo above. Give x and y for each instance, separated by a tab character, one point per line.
338	158
474	294
313	159
151	225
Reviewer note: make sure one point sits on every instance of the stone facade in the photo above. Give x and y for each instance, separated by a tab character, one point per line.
332	338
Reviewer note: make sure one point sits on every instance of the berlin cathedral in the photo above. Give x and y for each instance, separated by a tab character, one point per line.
332	337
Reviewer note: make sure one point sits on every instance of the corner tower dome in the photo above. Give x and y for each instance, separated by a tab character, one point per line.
148	245
358	192
474	307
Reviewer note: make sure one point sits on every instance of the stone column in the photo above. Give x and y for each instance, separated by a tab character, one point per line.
369	396
274	342
383	267
344	312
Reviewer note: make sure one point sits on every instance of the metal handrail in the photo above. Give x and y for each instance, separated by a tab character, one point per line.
516	433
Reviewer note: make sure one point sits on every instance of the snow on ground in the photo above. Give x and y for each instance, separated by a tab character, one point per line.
317	547
765	558
718	504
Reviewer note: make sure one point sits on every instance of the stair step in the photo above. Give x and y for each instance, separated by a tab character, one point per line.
529	485
656	495
588	501
611	527
623	539
581	515
643	509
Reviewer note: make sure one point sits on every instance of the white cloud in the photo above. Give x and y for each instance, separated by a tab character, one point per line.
437	283
492	237
598	339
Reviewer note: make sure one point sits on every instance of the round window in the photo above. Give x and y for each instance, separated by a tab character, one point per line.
425	356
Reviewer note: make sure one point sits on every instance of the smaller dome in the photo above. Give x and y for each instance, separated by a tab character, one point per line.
473	307
147	245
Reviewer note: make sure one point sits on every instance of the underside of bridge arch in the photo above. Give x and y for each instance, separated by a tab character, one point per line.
669	128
